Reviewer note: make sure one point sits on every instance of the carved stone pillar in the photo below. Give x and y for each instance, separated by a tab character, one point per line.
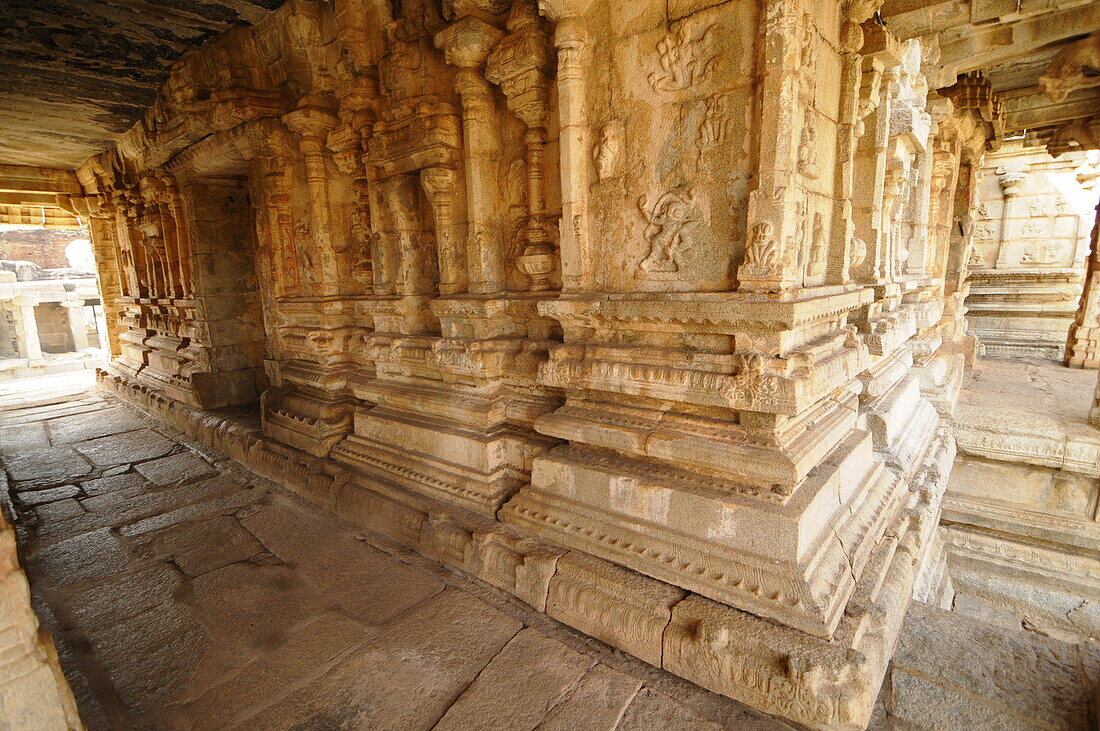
571	41
313	123
441	186
466	45
1094	411
1010	180
26	328
78	327
416	268
521	65
772	249
1083	343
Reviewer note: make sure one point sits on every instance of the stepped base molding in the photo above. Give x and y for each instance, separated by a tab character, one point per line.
822	682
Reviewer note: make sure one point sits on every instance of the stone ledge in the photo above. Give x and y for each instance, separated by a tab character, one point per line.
823	683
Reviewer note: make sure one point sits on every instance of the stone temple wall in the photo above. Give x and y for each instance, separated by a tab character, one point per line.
1031	240
649	314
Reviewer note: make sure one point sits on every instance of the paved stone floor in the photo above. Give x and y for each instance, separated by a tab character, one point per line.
183	592
1034	384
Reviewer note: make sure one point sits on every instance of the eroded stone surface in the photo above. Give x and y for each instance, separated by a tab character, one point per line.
213	603
117	449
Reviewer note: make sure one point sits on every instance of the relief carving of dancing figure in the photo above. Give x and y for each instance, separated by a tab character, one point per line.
668	221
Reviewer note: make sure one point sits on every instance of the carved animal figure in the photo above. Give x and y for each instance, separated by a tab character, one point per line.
1078	132
1070	68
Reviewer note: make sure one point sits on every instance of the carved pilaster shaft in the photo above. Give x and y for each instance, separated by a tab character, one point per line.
481	143
570	40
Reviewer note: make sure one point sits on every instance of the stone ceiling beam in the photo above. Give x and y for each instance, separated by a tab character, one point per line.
1031	108
28	179
971	49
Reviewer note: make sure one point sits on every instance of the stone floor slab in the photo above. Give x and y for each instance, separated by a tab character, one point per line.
361	579
598	701
202	547
94	555
133	446
176	468
530	676
47	467
49	495
309	650
20	438
432	652
111	483
79	428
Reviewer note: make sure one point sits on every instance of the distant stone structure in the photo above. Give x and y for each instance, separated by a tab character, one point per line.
1032	234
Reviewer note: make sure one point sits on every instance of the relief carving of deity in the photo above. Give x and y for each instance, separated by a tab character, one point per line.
668	231
684	59
807	148
817	247
607	155
716	121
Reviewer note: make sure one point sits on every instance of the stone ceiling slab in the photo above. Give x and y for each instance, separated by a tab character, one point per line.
77	74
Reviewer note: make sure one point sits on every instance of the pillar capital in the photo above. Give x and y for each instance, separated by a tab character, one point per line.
467	42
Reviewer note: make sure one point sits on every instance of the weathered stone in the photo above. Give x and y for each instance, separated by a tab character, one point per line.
94	555
439	647
21	438
124	597
103	485
616	605
268	678
183	467
151	657
356	576
201	547
530	676
45	467
652	710
134	446
952	671
38	497
245	606
598	701
59	511
79	428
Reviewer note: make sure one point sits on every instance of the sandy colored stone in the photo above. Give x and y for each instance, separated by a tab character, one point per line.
954	671
435	651
176	468
359	578
530	676
310	646
652	710
245	607
597	701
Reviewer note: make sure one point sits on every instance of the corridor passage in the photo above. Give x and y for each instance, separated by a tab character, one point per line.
184	592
